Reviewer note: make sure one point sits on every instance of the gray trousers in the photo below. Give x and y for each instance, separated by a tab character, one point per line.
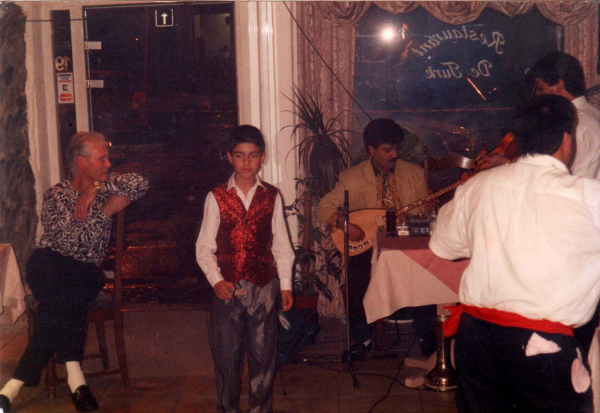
257	315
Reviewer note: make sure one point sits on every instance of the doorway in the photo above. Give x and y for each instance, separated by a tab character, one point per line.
163	91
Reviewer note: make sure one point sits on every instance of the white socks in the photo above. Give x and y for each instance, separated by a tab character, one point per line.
75	379
74	375
11	389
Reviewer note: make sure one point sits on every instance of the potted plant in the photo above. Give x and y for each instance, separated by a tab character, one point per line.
323	152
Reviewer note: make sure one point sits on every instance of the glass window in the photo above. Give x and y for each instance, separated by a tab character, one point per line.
453	87
167	103
168	72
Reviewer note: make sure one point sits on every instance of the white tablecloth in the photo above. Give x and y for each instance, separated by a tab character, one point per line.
406	273
12	293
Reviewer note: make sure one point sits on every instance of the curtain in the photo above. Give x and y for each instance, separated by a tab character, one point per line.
18	216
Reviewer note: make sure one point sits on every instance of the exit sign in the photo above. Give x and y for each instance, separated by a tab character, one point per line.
163	17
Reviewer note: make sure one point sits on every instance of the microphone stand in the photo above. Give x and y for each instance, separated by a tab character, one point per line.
347	356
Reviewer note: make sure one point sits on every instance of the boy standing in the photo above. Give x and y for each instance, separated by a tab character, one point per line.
243	234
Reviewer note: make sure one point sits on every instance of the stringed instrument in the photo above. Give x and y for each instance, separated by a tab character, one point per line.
370	219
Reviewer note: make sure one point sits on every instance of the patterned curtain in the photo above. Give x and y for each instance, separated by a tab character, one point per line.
18	217
326	38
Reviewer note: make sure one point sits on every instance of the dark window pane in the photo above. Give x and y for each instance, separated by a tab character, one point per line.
454	87
162	82
168	102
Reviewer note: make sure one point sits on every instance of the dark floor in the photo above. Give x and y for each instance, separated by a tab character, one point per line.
171	370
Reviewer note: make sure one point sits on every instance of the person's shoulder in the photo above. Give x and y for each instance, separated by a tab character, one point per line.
409	166
269	187
271	190
356	169
57	189
222	187
588	112
409	169
590	185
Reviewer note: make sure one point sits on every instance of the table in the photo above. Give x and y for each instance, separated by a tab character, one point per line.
12	293
406	273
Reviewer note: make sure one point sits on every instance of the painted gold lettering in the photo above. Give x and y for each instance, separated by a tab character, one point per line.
453	70
482	39
498	42
484	67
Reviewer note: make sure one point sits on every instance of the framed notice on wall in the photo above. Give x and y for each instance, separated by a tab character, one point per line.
64	82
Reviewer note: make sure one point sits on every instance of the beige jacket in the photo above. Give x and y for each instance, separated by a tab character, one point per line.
360	183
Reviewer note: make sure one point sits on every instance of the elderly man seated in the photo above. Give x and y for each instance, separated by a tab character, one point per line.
63	271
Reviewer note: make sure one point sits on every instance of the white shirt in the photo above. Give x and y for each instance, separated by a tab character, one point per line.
587	156
532	232
206	245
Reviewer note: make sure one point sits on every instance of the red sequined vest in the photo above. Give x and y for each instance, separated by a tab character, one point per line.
244	238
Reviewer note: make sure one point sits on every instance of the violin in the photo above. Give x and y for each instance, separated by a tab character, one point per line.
507	149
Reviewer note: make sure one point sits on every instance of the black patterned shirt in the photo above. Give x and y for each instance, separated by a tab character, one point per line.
85	241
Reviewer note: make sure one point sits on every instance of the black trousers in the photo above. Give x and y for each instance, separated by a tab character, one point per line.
495	375
64	287
359	276
585	333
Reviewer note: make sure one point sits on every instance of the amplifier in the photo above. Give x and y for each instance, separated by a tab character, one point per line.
418	227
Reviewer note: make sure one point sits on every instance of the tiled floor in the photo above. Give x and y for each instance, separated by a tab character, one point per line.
171	370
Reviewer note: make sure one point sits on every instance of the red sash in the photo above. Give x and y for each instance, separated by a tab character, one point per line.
502	318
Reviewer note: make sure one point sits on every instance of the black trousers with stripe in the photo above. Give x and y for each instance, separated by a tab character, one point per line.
495	375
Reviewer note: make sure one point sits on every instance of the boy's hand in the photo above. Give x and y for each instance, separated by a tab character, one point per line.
224	290
287	300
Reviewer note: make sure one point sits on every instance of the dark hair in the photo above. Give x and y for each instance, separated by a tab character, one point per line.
77	147
382	131
245	134
540	126
558	65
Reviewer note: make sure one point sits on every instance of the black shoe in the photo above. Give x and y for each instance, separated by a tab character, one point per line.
4	404
83	399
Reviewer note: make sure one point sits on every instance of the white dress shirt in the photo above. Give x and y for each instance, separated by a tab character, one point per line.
206	245
587	156
532	232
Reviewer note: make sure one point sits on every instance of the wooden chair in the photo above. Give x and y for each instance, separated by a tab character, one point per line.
104	308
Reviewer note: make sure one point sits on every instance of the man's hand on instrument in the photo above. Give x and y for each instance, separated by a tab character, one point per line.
485	161
224	290
491	161
355	233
